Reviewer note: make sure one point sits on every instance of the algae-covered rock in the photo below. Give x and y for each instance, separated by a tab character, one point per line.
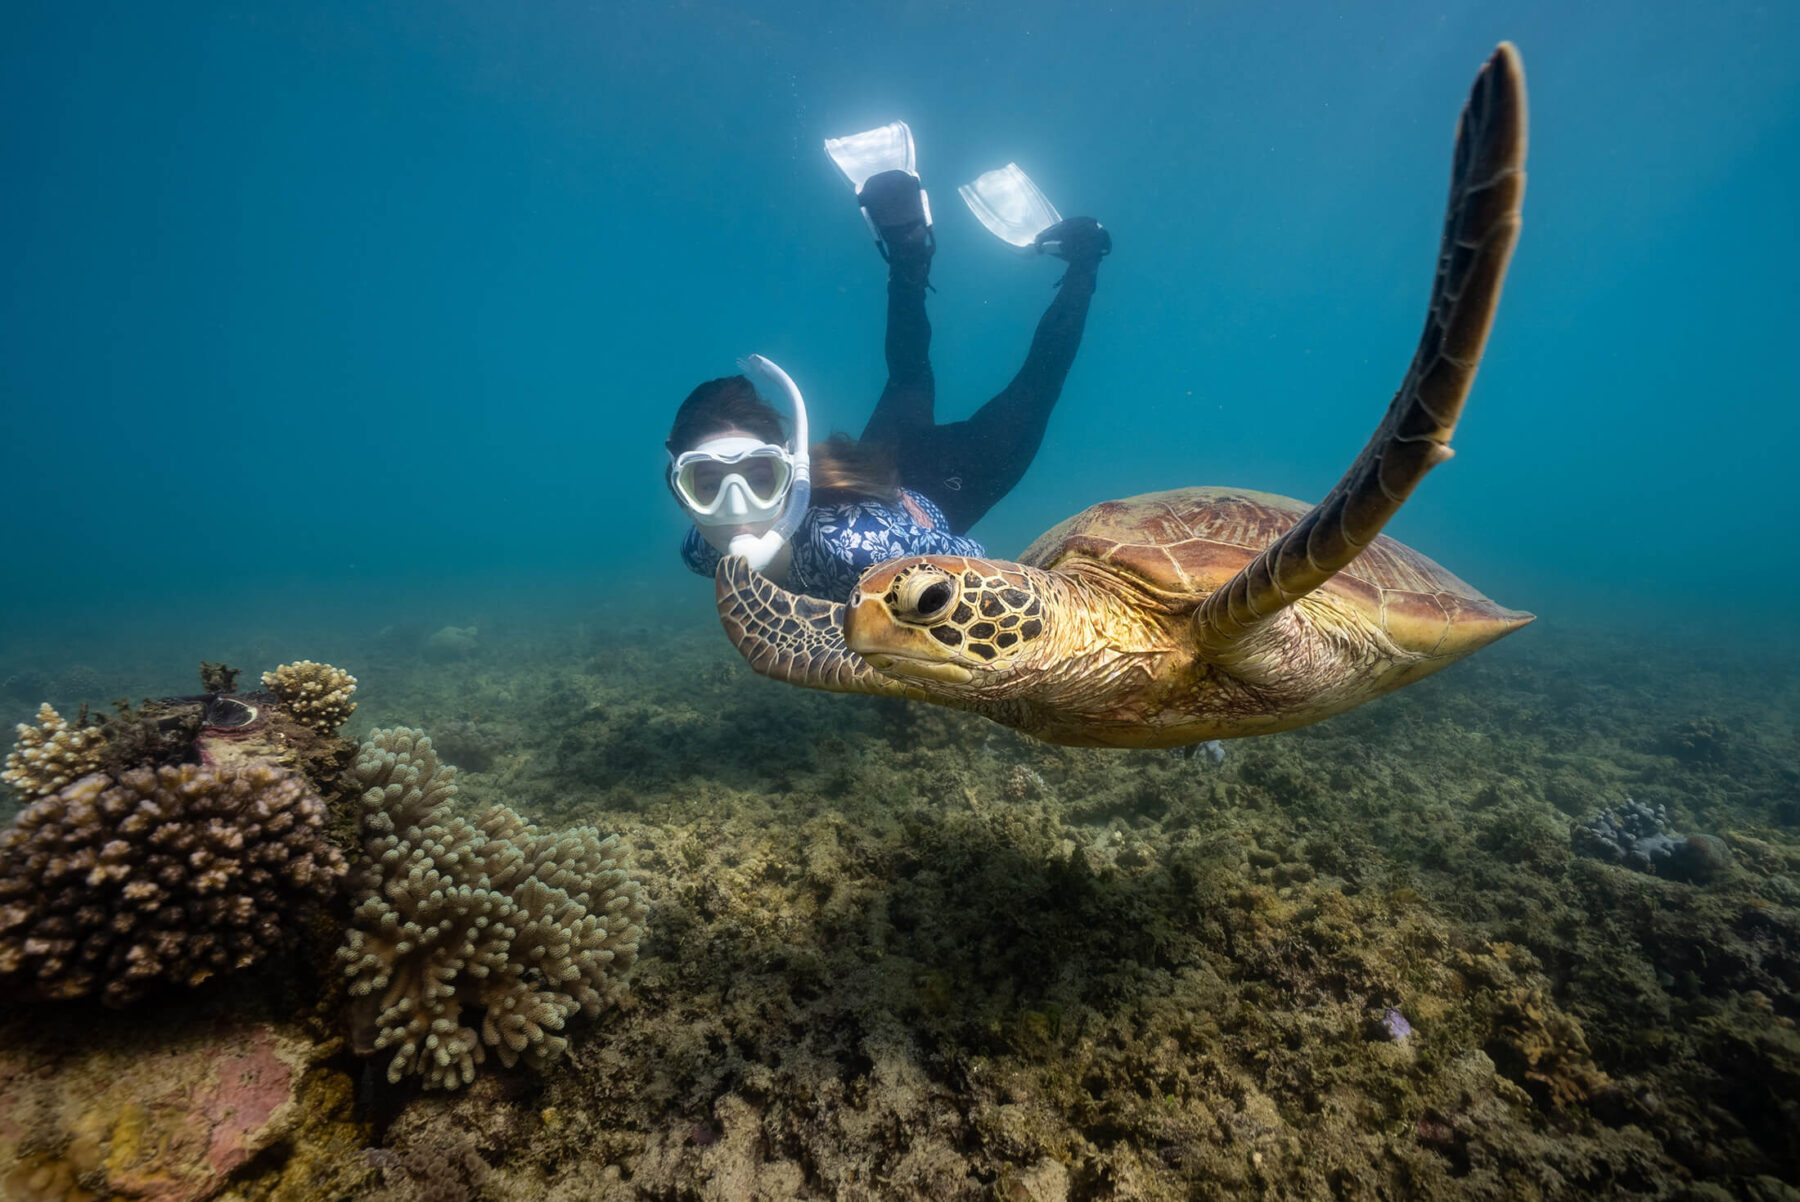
164	1109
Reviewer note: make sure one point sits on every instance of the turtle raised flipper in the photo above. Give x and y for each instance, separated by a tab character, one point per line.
792	637
1481	224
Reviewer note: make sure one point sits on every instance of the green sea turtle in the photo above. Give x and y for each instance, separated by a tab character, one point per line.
1202	613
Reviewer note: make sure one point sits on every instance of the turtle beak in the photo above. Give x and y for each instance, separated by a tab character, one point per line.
897	648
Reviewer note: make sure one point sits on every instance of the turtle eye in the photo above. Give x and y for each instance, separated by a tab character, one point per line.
934	600
925	596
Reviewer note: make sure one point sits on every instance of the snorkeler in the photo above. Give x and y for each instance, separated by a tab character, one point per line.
815	518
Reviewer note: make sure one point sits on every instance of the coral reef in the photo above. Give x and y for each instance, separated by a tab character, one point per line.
469	746
453	642
1699	741
174	874
489	923
317	695
1634	835
899	953
151	734
441	1168
1212	751
218	677
169	842
53	753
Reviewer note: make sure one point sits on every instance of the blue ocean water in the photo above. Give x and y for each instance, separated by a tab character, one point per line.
333	313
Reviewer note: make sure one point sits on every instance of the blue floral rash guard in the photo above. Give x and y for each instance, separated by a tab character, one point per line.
836	544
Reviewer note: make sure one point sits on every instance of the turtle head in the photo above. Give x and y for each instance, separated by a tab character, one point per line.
947	619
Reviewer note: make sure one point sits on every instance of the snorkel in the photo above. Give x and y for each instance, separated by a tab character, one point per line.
760	550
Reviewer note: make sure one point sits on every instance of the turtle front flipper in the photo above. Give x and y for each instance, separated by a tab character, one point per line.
1481	224
792	637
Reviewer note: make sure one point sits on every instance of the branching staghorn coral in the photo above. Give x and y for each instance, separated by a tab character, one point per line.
173	874
477	935
315	694
52	754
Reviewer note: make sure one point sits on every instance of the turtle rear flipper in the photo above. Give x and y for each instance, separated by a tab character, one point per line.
1481	224
793	637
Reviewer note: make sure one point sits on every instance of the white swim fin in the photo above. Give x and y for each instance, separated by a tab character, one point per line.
1013	208
886	152
873	151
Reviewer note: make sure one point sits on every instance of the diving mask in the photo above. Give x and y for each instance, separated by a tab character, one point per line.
732	481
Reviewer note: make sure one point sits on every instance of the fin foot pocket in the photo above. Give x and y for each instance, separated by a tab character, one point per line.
1078	241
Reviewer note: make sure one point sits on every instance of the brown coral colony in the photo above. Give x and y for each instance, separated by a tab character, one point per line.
317	695
52	754
170	874
119	875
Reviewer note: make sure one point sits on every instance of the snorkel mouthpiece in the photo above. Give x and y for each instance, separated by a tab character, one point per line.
760	550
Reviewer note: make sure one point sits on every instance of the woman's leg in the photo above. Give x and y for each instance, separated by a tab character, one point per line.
967	466
907	403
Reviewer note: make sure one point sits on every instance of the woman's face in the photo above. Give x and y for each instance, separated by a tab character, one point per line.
719	537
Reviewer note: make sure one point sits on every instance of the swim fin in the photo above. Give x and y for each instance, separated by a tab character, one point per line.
880	166
1013	208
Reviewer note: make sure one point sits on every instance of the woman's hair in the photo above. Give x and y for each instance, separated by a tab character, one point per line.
727	404
842	468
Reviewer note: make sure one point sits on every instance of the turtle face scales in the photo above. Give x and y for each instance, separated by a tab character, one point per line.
946	619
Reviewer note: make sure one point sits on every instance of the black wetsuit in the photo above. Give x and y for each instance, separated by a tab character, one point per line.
967	466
